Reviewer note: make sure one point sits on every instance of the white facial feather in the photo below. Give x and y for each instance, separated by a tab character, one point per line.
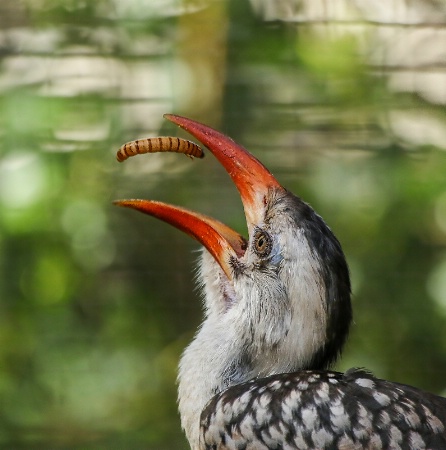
270	319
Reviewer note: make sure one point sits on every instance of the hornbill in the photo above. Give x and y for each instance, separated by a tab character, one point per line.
277	314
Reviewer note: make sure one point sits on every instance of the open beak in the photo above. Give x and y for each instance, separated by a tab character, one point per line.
252	179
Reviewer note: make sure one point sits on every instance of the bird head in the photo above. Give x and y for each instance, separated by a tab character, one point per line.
276	302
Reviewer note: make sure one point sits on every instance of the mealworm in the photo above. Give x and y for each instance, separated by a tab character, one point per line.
159	144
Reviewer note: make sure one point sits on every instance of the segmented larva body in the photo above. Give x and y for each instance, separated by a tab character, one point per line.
159	144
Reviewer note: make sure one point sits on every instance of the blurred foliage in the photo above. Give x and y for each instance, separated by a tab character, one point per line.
96	303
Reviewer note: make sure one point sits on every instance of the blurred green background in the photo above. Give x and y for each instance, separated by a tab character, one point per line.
342	100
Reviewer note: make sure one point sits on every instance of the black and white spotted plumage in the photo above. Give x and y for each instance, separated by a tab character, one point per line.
323	410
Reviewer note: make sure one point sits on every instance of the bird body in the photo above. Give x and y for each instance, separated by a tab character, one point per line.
323	410
277	314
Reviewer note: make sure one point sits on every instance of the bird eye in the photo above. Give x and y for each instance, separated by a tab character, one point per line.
262	243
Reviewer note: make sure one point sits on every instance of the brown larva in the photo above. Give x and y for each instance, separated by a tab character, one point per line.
159	144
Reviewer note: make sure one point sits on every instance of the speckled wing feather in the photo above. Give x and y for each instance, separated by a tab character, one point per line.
323	410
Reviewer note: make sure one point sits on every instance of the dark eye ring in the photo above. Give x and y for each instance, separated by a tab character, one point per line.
262	243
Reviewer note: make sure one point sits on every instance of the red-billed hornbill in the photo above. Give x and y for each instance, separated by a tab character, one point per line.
277	313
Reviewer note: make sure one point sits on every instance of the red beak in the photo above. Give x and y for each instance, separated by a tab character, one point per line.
251	178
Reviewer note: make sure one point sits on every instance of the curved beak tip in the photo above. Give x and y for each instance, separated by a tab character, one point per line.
252	179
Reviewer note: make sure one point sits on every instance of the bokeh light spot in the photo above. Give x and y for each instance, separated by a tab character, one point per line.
22	180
